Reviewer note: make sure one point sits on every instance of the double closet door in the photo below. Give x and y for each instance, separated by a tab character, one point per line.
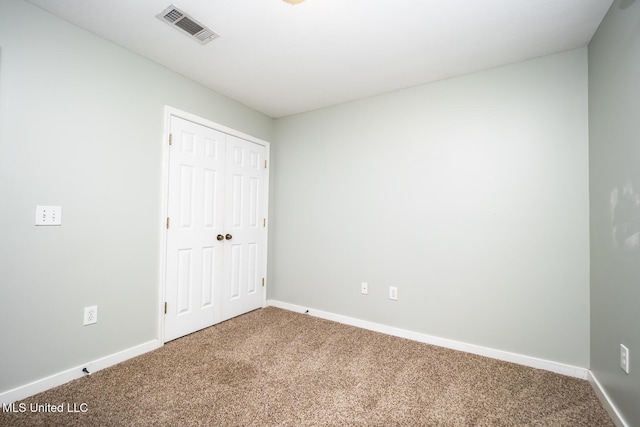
216	227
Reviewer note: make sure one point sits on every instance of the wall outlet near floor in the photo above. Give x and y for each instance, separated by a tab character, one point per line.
624	358
364	288
393	293
90	315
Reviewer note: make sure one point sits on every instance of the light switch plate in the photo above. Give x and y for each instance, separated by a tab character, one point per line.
48	215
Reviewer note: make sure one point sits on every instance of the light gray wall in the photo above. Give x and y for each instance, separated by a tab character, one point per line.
81	126
614	127
470	195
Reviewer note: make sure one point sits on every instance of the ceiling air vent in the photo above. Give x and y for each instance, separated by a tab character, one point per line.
177	18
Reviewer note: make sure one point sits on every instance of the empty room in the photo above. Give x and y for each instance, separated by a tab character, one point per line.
320	212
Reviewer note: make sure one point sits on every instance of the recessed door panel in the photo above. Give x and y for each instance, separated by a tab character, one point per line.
186	196
210	196
255	159
253	202
188	142
208	276
185	281
237	203
211	148
252	268
238	155
236	276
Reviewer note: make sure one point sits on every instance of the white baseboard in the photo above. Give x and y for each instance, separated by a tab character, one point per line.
63	377
606	401
533	362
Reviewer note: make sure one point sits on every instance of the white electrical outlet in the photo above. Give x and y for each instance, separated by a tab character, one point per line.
90	315
393	293
624	358
364	288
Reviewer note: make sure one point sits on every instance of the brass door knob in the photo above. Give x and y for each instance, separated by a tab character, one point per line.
228	237
220	237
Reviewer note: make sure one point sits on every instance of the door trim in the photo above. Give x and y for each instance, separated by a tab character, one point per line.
164	200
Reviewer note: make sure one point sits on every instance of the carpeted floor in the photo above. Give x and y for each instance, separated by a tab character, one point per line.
272	367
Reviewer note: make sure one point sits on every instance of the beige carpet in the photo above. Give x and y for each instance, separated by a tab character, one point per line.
272	367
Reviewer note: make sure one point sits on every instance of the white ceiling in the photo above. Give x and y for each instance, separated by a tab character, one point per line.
282	59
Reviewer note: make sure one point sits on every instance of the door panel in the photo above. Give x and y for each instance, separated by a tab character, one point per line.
246	206
208	272
194	255
185	283
217	186
210	218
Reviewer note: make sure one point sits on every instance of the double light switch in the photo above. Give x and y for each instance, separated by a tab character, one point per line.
48	215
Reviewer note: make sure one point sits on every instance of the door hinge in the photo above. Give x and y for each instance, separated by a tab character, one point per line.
170	139
165	307
265	164
263	281
264	222
168	222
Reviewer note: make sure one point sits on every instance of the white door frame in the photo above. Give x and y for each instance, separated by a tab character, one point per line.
168	113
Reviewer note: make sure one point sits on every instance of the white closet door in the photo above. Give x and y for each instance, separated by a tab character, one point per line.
245	213
216	239
196	215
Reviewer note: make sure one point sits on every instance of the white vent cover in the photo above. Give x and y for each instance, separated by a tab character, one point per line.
178	19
